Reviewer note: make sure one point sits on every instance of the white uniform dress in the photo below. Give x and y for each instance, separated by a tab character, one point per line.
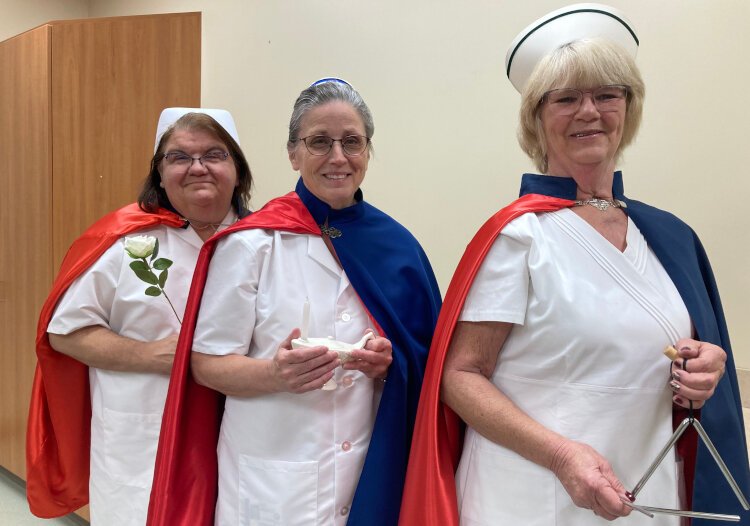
584	359
285	459
127	407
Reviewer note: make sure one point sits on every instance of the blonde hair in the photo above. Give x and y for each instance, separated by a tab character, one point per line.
581	63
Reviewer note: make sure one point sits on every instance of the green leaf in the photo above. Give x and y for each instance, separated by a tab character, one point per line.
156	250
162	264
139	265
147	276
163	278
153	291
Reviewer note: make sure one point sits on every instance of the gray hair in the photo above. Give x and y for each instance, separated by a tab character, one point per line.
581	63
322	93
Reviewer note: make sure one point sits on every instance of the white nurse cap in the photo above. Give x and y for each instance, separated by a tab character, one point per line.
171	115
561	27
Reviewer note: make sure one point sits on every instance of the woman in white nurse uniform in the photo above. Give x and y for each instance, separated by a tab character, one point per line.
556	361
199	181
289	452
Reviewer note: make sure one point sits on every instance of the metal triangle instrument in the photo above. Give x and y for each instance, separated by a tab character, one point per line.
687	422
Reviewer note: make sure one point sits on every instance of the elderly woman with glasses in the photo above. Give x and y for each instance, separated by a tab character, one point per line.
311	431
108	330
549	345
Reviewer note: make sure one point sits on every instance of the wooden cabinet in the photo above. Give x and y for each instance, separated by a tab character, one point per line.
79	101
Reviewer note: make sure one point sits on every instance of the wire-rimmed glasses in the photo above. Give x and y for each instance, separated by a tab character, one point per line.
567	101
182	161
323	144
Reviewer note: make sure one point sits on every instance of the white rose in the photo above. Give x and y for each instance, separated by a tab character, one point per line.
140	246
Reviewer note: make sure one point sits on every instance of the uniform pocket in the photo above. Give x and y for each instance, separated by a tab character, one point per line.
130	441
277	492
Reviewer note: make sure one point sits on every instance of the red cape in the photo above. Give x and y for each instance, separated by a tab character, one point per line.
430	491
58	435
186	474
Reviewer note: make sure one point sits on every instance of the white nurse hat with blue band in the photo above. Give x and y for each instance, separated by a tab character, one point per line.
561	27
171	115
335	80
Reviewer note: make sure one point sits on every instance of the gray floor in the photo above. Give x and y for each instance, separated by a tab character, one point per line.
14	511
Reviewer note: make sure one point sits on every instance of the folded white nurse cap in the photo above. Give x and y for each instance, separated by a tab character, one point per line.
561	27
171	115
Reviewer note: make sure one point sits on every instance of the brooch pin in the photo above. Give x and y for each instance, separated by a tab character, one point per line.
330	231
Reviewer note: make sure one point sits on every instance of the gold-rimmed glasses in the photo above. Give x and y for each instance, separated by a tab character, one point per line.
567	101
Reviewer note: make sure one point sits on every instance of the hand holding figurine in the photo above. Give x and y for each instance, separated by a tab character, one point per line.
373	359
302	369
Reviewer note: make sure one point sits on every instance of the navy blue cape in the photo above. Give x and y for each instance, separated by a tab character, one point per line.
391	274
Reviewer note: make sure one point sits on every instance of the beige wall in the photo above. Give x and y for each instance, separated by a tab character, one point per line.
22	15
446	153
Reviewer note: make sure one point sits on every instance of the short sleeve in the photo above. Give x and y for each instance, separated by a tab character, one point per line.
88	301
227	313
500	290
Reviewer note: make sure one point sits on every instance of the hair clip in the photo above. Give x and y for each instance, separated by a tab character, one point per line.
331	79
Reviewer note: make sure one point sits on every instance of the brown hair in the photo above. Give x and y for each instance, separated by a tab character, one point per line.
153	196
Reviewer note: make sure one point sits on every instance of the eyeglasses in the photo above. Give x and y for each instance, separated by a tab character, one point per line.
567	101
183	161
322	144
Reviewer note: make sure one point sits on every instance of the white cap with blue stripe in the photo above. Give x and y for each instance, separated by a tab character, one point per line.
562	26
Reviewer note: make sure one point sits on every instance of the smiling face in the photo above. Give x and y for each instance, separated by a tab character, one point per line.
333	178
588	139
201	192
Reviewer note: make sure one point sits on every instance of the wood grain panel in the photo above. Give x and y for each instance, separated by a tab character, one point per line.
112	77
79	102
25	236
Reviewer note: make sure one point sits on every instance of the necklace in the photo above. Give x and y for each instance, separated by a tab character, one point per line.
199	226
600	203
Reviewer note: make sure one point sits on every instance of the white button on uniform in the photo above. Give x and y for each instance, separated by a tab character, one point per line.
346	445
345	510
346	316
347	381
